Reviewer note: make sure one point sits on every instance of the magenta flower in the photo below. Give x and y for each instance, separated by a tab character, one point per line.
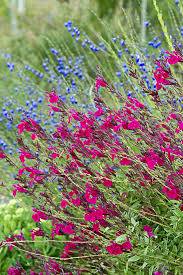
60	229
63	203
95	214
152	159
25	155
172	192
36	232
174	57
126	246
18	188
157	273
38	215
68	229
91	194
125	161
114	249
162	77
15	271
107	182
117	249
149	231
52	97
2	154
133	125
100	82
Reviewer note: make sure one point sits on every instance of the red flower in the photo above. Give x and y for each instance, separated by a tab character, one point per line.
126	246
15	271
149	231
63	203
174	57
114	249
162	77
52	97
38	215
125	161
152	159
107	182
95	214
18	188
133	125
25	155
2	154
100	82
36	232
91	194
172	192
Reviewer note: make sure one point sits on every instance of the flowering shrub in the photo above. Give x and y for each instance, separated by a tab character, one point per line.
105	186
71	75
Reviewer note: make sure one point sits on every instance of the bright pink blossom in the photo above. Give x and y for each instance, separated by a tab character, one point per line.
180	127
133	125
152	159
53	267
100	82
136	103
174	57
15	271
149	231
114	249
18	188
126	246
171	192
107	182
91	194
2	154
99	112
25	155
95	214
66	228
53	97
63	203
54	108
162	77
38	215
36	232
125	161
28	126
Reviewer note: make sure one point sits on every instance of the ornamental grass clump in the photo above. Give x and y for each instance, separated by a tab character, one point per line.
105	188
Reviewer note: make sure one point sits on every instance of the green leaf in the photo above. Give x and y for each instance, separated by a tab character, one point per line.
121	238
134	259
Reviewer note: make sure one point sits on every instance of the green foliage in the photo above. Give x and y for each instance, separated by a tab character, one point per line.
14	220
106	8
15	217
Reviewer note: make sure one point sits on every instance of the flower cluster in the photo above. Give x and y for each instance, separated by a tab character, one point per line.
77	178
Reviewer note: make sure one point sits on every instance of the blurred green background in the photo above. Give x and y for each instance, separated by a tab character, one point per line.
24	24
